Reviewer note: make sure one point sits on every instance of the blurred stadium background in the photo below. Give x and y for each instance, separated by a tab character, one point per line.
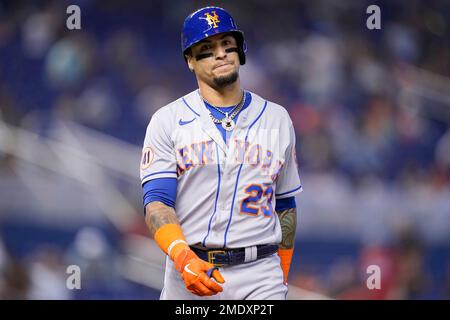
371	110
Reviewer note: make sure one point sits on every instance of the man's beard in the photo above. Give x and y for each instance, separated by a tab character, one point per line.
224	81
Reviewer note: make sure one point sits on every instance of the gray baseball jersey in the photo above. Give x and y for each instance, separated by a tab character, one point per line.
226	192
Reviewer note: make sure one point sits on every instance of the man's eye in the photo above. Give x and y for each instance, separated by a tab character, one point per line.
204	48
226	42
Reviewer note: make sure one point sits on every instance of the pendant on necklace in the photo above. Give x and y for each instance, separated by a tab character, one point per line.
228	123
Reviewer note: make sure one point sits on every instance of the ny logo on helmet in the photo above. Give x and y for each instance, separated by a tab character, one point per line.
213	20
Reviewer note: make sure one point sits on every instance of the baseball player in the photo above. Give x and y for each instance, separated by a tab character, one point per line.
219	176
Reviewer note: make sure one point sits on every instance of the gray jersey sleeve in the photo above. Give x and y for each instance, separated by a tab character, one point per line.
288	183
158	154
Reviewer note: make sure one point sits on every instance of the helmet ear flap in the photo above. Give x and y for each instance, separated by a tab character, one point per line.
241	55
242	46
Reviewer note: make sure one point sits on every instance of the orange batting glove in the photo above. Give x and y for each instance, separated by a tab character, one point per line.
195	272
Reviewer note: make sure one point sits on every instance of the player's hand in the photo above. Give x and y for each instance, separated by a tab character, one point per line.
194	274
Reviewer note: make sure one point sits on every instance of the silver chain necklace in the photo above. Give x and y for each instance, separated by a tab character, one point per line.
227	123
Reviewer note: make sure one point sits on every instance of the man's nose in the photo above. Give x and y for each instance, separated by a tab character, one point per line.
220	53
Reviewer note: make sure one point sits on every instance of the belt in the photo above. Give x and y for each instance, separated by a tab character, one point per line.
222	257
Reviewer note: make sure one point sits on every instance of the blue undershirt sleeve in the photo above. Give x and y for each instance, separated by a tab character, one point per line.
163	190
285	203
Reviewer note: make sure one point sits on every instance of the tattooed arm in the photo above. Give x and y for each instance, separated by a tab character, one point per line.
288	222
157	214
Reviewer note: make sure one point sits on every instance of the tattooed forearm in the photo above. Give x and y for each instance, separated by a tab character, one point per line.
158	214
288	221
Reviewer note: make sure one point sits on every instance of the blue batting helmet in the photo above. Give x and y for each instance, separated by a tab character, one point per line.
207	22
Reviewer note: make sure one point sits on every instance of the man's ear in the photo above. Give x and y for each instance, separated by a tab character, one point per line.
189	62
